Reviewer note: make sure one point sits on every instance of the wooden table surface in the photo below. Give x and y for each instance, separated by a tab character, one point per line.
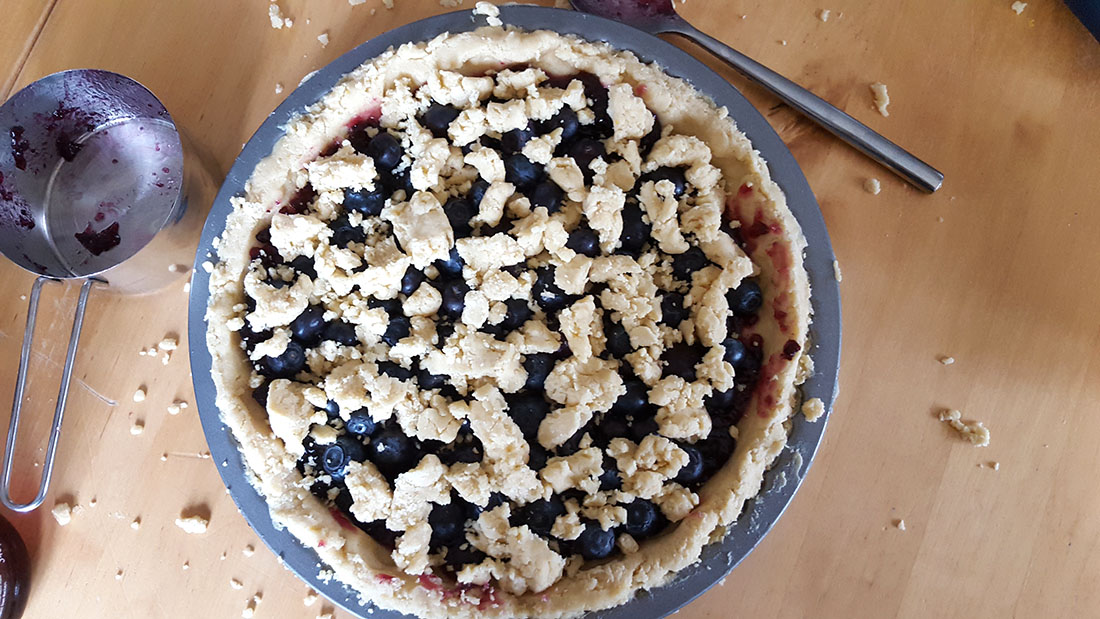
999	270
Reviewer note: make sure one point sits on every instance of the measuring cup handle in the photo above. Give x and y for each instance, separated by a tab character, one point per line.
62	394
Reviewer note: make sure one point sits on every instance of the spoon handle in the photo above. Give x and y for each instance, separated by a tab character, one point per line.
840	124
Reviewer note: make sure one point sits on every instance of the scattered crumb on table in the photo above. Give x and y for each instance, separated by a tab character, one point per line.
1019	6
823	15
837	275
278	88
974	431
310	598
118	575
62	512
387	3
881	97
945	360
194	525
136	523
137	427
996	466
139	395
186	565
872	186
235	584
278	21
899	524
323	39
356	2
248	550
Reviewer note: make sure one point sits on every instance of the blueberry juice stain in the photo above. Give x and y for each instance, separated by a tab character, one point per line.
19	147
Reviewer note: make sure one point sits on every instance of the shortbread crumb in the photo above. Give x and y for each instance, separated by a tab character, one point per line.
1019	7
387	3
823	15
323	39
837	275
186	565
136	524
235	584
279	88
137	427
490	11
947	360
975	431
996	466
118	575
356	2
139	395
310	598
195	525
62	513
872	186
900	524
278	21
882	97
248	550
813	409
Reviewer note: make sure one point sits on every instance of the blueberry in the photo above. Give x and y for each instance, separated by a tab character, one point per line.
673	311
332	409
680	360
691	261
716	450
454	298
359	138
521	172
546	292
286	365
693	470
307	327
444	328
344	233
427	380
519	312
612	426
735	351
504	225
641	428
635	401
527	409
459	212
369	203
397	330
513	141
643	519
573	444
341	333
447	522
394	370
386	151
597	95
361	423
635	230
746	299
538	366
537	457
378	531
548	194
584	241
595	543
394	181
647	142
438	118
336	456
566	120
393	452
477	191
720	402
304	265
539	515
469	452
673	175
584	151
392	306
411	280
452	266
610	479
463	555
260	394
618	342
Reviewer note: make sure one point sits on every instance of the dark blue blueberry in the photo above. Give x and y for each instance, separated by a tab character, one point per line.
673	311
447	522
643	519
584	151
636	232
459	212
278	283
394	370
673	175
595	543
392	306
304	265
468	452
411	280
438	119
746	299
693	470
573	444
393	452
359	138
386	151
332	409
643	427
521	172
735	351
336	456
454	298
635	401
286	365
360	422
398	181
477	191
647	142
537	457
689	262
427	380
716	450
612	426
397	330
452	266
344	233
584	241
539	515
378	531
513	141
462	555
748	369
527	409
720	402
307	327
546	292
341	333
680	360
597	95
260	394
538	366
519	312
548	194
610	478
566	120
444	328
504	225
369	203
618	342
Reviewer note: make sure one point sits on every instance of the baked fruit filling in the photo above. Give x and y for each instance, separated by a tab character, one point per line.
509	332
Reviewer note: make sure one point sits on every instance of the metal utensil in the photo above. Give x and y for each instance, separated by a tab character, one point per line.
660	17
91	188
789	469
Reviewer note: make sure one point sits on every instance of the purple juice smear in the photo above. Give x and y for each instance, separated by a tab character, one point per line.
19	147
632	9
99	242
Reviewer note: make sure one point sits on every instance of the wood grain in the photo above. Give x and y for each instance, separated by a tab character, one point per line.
999	270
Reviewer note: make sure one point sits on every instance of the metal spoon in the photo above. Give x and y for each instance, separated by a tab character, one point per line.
659	17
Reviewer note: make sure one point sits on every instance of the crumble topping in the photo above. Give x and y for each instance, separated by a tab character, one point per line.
973	431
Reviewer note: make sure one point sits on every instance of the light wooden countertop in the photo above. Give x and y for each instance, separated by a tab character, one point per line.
1000	270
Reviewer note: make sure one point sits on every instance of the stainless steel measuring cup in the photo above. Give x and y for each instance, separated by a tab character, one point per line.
92	180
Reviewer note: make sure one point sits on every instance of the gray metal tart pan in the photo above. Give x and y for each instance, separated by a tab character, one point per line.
780	482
